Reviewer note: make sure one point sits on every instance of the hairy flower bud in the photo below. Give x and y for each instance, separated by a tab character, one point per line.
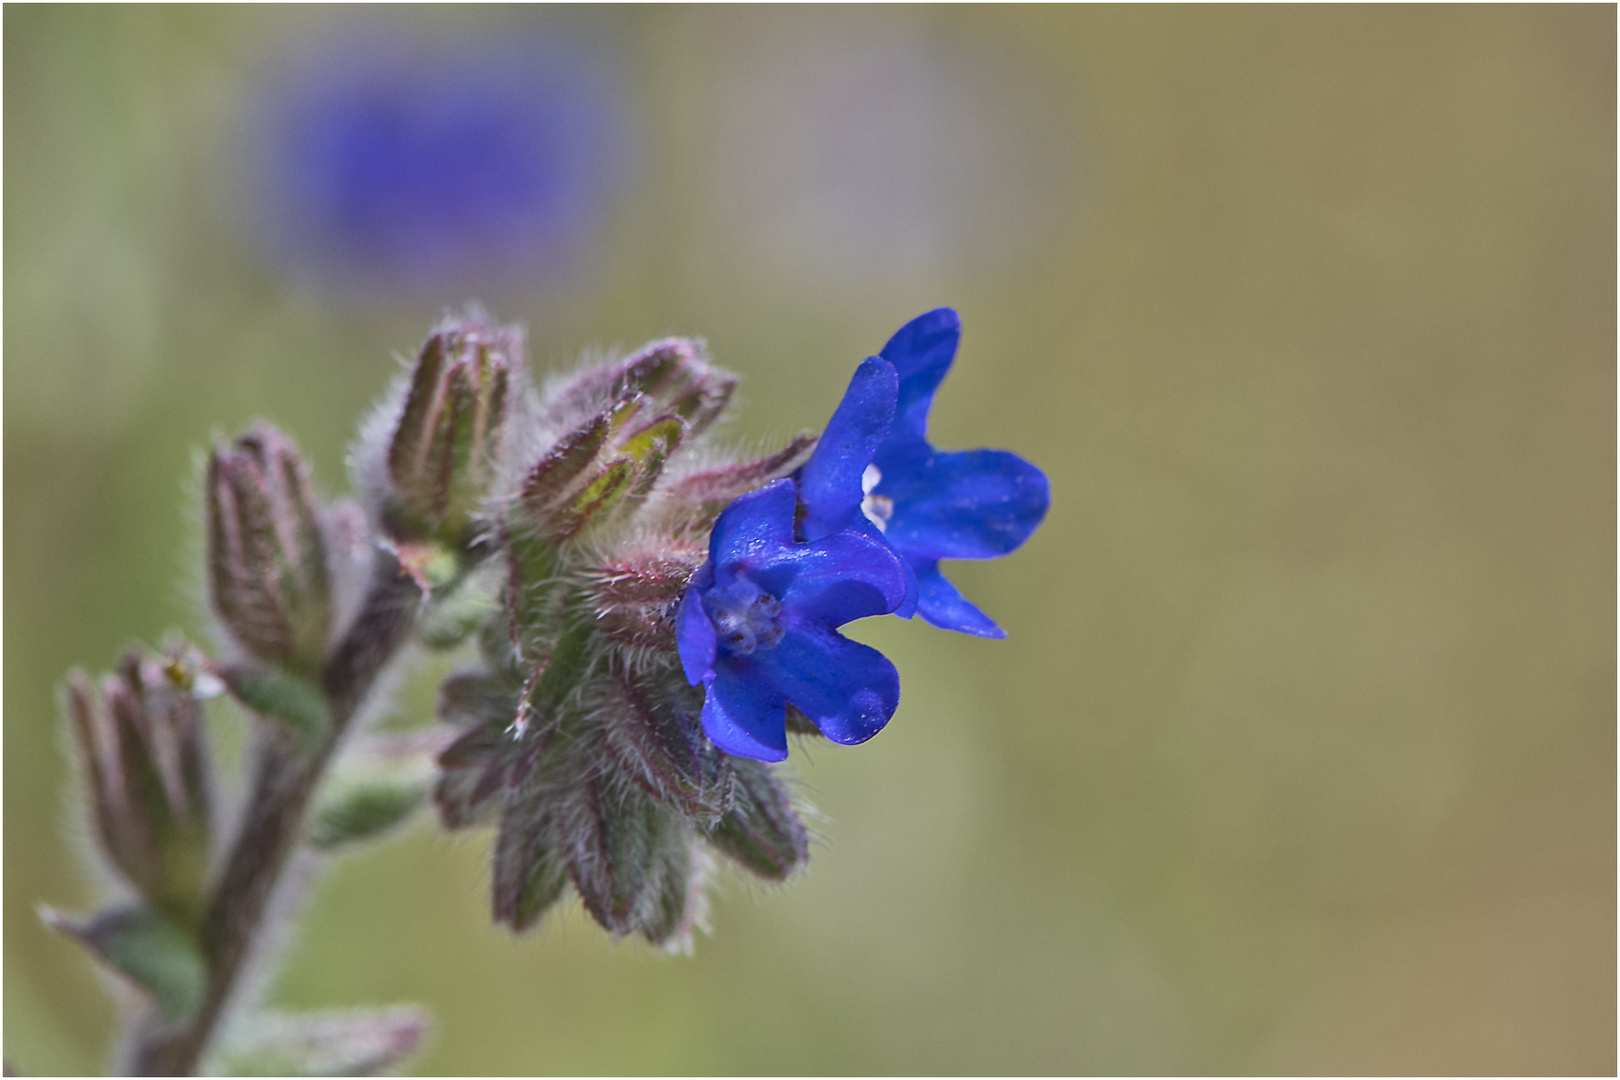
623	422
674	375
147	772
267	561
651	728
618	453
710	491
446	442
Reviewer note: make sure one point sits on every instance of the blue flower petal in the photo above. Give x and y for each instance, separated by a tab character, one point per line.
941	605
970	504
921	351
908	605
830	482
743	714
835	579
695	637
754	525
847	689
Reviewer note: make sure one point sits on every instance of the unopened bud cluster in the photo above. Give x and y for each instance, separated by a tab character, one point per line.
580	738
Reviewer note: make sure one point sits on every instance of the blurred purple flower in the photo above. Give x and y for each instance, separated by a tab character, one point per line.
430	165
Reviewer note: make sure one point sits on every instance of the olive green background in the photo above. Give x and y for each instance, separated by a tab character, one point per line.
1300	756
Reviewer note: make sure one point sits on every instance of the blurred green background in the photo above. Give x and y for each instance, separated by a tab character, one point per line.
1300	756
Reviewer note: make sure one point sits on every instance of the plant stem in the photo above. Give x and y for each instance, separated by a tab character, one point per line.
286	774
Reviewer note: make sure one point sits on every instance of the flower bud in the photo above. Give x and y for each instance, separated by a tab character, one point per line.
673	375
147	771
446	443
267	568
616	454
623	420
635	598
609	463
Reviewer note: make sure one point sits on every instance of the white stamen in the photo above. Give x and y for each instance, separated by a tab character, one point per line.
877	508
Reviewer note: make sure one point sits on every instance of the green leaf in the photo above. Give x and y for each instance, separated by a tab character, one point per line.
146	947
365	811
294	701
447	621
351	1042
533	593
567	663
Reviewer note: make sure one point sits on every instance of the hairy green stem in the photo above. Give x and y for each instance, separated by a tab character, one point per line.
286	775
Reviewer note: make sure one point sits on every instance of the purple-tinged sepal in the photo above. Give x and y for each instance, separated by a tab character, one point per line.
697	498
530	873
635	597
653	731
631	861
763	831
672	376
471	776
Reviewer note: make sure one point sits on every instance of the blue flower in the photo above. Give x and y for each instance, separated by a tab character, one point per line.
757	627
876	472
